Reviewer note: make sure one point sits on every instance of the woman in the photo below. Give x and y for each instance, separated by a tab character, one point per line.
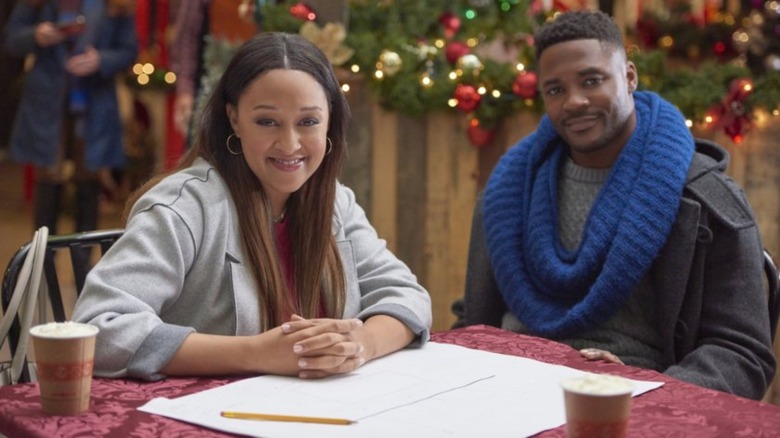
219	258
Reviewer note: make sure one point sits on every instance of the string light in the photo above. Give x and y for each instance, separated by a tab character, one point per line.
425	80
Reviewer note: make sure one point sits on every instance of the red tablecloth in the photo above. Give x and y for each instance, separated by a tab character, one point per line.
676	409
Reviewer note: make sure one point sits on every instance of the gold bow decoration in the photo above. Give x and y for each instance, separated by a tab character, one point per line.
330	39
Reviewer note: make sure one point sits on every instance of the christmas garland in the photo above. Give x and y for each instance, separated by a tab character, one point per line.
476	57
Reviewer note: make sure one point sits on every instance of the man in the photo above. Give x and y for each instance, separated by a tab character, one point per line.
610	229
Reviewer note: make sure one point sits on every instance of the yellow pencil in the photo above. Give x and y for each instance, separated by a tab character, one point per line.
291	418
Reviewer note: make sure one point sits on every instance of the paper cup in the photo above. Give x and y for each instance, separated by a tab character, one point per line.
597	405
64	357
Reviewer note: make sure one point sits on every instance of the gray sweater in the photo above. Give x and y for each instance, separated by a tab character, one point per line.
179	268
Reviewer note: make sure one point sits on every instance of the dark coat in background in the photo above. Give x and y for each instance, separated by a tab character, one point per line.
39	119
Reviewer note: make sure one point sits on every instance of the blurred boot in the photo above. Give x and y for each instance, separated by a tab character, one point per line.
47	205
87	201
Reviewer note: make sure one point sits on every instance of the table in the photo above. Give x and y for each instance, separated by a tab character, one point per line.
676	409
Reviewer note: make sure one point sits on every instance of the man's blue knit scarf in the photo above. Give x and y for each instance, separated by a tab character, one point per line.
558	293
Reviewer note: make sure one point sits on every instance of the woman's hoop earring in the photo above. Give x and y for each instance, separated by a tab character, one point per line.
227	144
330	144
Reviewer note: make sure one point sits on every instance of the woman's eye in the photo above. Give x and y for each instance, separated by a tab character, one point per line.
310	122
266	122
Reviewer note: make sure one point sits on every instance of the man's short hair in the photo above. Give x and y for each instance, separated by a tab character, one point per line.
578	25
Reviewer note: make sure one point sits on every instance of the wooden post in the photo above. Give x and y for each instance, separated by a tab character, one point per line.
384	171
450	195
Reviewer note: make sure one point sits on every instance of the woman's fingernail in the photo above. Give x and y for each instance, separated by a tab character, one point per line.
285	328
302	363
359	322
361	361
360	348
297	348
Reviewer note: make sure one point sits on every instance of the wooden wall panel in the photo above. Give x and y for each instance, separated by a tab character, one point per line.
384	167
451	190
412	180
356	173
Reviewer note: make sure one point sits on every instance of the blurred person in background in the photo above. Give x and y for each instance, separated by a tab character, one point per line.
68	110
200	23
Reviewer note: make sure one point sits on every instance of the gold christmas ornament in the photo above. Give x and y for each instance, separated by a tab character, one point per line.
389	62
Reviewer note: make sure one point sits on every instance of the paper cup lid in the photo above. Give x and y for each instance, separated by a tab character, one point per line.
64	330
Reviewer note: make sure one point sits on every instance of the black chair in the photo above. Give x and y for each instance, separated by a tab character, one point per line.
773	291
80	246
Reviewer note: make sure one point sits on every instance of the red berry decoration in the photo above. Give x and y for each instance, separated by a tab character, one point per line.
302	11
467	97
450	22
525	85
454	50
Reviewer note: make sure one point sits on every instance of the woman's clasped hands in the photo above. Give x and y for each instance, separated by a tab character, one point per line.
323	347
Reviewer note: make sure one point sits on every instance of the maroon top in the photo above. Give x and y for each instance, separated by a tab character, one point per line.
675	409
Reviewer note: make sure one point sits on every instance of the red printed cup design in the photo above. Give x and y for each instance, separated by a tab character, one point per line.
597	405
64	359
64	372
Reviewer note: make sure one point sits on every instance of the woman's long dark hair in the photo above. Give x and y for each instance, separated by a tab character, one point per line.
318	271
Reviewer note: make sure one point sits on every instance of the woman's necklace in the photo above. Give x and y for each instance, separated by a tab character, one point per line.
280	217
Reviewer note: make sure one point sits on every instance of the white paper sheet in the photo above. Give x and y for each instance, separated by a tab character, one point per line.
440	390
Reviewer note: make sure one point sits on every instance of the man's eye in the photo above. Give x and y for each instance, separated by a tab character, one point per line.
594	81
553	91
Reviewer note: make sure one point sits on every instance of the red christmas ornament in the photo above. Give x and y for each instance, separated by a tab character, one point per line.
525	84
467	97
737	129
302	11
648	32
731	115
740	89
479	136
454	50
451	23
